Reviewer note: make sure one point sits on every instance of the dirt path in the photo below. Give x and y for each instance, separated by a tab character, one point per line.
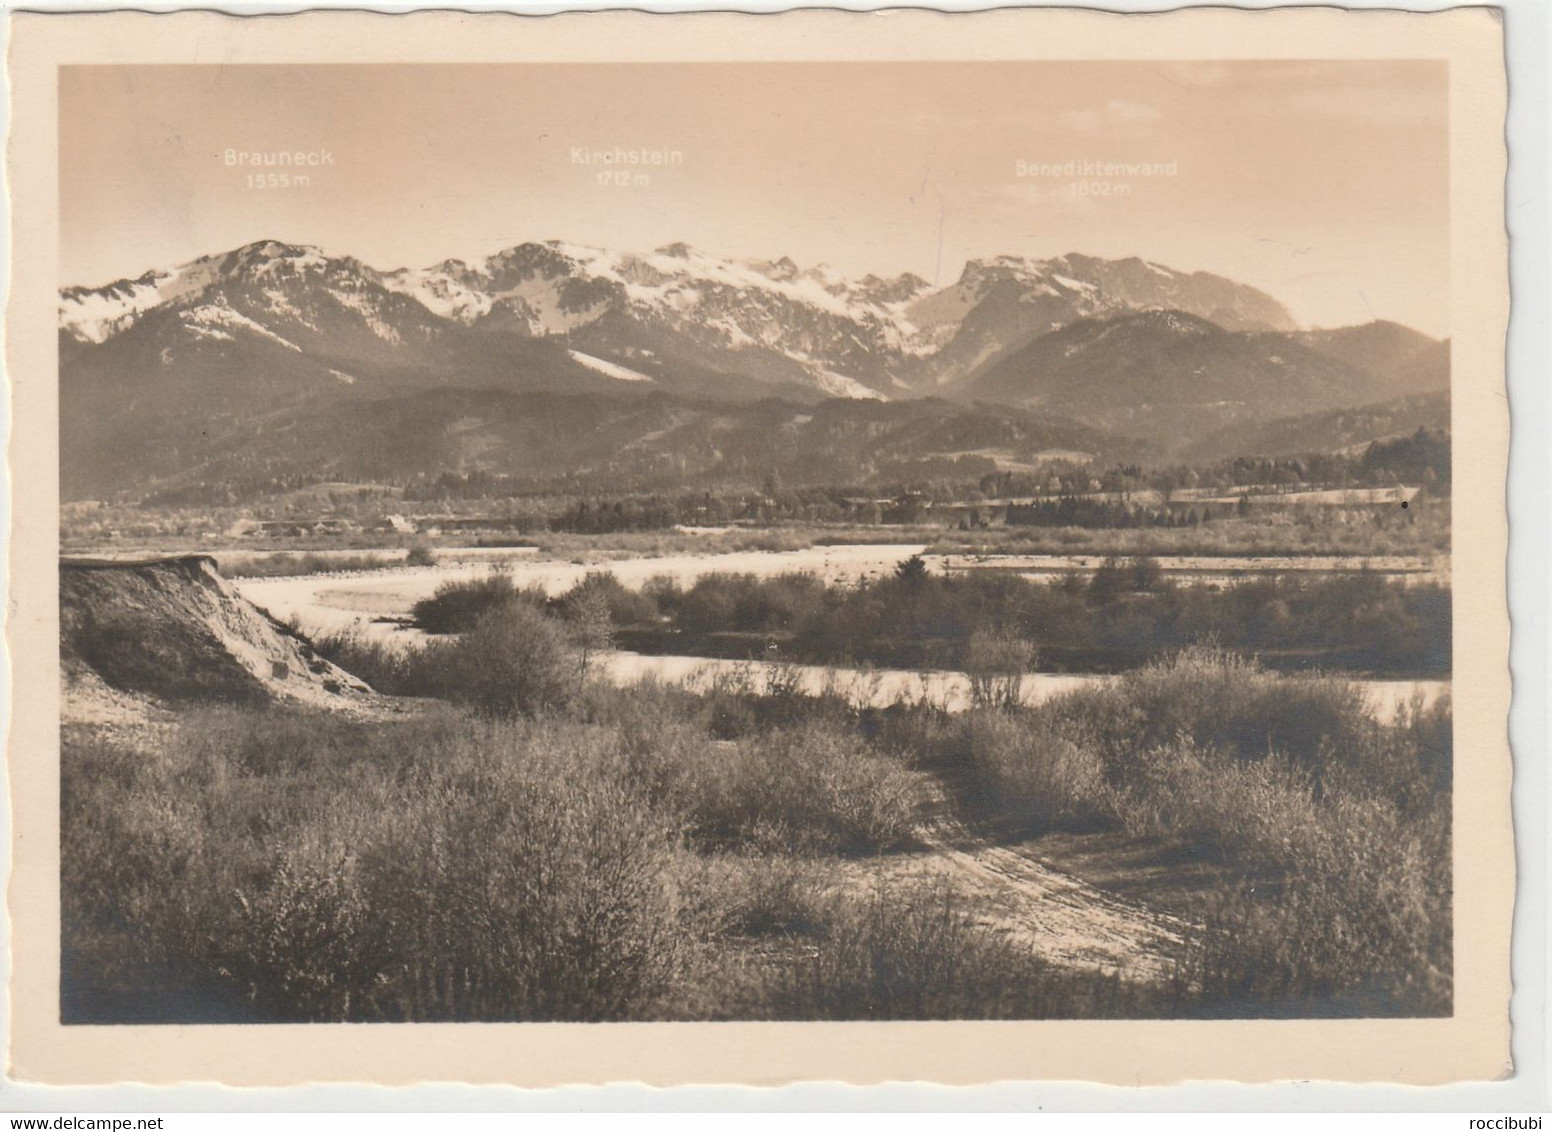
1061	917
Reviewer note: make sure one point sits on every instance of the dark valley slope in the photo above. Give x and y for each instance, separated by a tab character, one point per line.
597	442
1172	377
1331	430
1403	360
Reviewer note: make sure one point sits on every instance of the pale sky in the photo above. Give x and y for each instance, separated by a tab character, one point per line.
1324	183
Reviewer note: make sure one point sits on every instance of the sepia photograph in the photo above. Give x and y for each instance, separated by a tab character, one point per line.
851	554
789	541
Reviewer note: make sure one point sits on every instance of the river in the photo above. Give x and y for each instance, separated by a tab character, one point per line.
371	601
880	687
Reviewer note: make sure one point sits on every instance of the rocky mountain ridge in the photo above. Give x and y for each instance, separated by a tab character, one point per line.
767	326
225	367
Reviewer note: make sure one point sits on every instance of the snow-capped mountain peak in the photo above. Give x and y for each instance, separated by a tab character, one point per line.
264	257
94	314
765	324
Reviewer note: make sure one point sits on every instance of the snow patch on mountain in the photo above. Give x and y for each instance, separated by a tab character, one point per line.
737	337
216	321
541	301
837	384
442	290
281	305
367	308
608	369
96	315
273	258
1073	284
674	277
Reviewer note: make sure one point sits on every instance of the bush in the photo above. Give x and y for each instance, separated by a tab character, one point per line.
600	588
548	890
814	788
613	858
1357	921
918	955
456	606
765	896
432	869
664	592
1125	613
514	661
1335	824
745	603
291	565
1219	700
1260	815
1329	827
1040	778
813	785
996	660
730	704
750	699
389	667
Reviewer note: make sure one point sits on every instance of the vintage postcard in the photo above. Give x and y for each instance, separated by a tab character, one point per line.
716	548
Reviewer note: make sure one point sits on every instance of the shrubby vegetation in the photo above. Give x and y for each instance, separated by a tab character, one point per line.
428	869
994	626
560	849
1257	531
1332	828
1423	529
293	565
917	953
1120	616
457	606
1422	458
513	660
447	867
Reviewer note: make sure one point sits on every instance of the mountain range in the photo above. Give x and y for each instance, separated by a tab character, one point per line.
260	342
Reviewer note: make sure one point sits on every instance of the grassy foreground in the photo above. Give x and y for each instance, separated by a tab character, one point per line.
550	849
